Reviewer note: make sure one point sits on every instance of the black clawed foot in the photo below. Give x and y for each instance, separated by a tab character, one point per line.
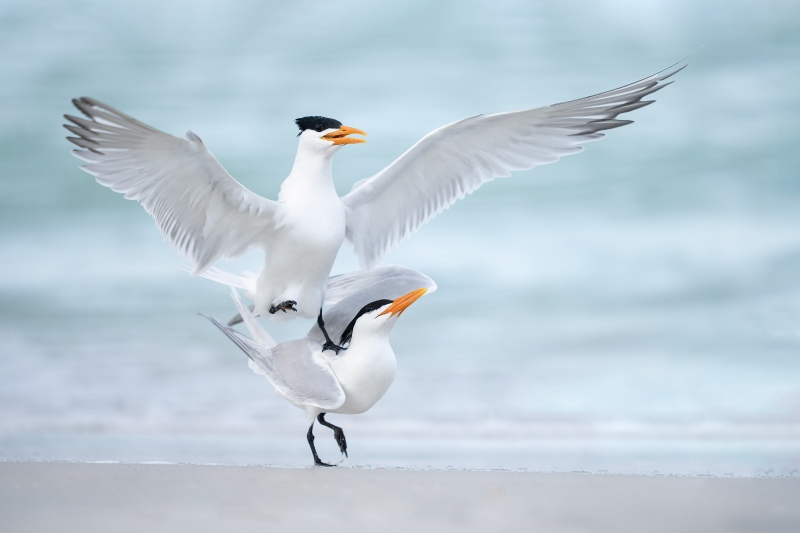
317	462
288	305
338	434
329	344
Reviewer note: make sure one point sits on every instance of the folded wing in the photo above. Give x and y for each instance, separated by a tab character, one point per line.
296	368
455	160
197	205
354	290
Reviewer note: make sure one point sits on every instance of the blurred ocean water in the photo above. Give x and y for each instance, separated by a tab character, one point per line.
646	291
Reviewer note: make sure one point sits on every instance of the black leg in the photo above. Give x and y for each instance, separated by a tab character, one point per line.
310	437
338	434
283	306
329	344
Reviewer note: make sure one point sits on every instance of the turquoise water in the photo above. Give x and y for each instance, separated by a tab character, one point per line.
646	291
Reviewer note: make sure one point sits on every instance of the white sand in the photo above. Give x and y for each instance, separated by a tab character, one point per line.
83	497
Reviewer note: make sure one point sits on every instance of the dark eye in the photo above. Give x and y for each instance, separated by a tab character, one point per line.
318	127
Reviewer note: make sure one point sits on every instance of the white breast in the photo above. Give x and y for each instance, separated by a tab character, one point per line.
300	256
365	371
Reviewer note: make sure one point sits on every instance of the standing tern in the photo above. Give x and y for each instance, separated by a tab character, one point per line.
321	381
206	214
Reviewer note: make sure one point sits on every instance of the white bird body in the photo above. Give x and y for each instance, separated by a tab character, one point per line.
206	214
323	381
309	230
367	369
364	372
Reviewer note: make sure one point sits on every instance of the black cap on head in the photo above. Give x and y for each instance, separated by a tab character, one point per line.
317	124
347	334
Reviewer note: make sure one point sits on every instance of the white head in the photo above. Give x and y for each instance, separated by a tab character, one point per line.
325	135
378	317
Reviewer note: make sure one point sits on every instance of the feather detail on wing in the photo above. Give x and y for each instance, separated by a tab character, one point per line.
352	291
454	160
199	208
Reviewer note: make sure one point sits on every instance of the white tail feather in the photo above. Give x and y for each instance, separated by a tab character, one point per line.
256	330
245	281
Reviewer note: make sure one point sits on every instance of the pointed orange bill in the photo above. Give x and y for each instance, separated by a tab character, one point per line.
340	136
400	304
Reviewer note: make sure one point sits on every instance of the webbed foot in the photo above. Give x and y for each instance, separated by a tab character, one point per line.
338	434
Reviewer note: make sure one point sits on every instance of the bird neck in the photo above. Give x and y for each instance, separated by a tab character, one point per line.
312	168
369	351
374	335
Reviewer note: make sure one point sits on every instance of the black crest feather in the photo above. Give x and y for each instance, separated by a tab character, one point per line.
347	334
317	124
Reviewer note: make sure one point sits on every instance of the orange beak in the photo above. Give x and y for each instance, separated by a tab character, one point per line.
400	304
340	136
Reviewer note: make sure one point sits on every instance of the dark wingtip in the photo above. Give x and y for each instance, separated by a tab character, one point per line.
81	142
673	72
83	103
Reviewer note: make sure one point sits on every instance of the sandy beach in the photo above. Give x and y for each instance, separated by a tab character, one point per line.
88	497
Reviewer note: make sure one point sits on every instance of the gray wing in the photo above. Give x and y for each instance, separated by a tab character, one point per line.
199	208
302	367
354	290
454	160
296	369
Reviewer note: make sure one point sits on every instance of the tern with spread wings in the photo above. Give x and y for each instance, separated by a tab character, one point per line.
206	214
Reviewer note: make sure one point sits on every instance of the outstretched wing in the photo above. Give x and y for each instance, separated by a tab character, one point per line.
199	207
456	159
